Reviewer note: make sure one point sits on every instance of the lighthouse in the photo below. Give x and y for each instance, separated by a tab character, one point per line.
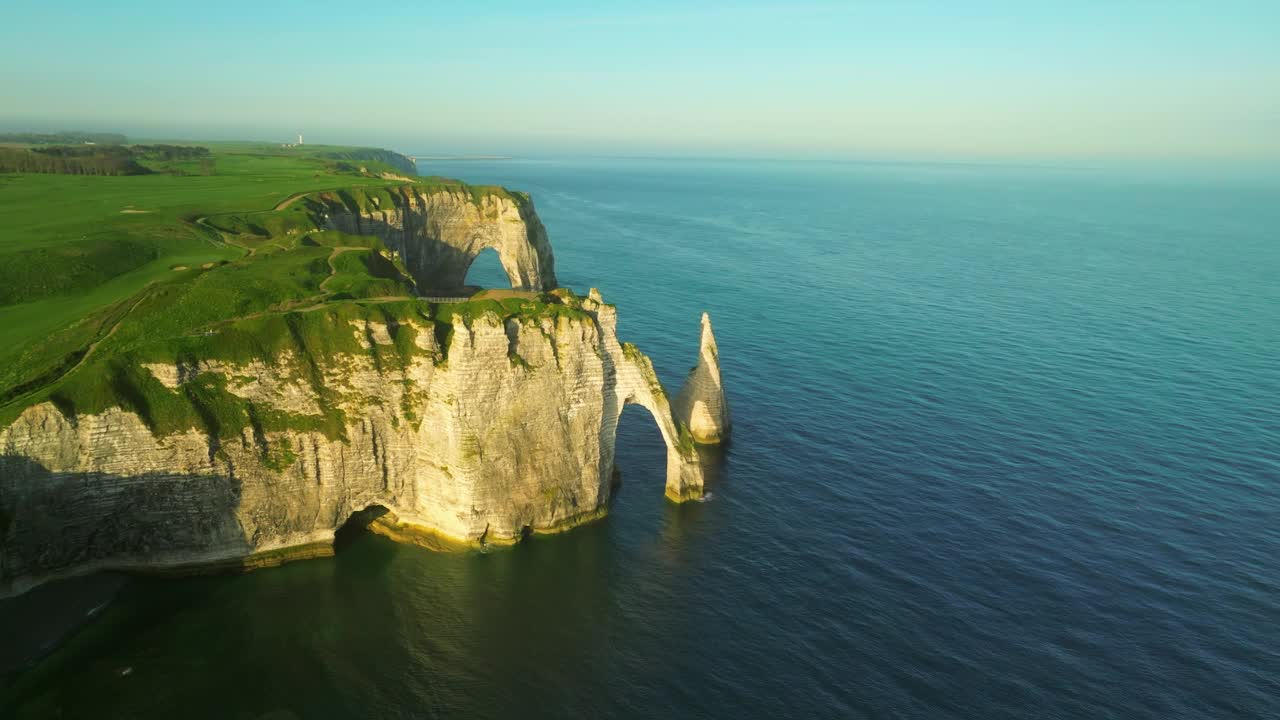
299	138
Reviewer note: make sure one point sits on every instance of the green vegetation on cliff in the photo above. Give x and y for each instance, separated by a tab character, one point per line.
71	245
365	156
102	277
371	199
280	317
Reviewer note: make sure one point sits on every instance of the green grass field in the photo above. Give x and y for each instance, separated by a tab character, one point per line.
73	244
101	275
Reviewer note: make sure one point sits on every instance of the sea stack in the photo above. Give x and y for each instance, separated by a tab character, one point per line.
701	405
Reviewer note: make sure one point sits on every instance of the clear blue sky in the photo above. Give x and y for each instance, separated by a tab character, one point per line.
882	79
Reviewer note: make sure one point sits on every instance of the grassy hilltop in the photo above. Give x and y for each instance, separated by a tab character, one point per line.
70	243
206	256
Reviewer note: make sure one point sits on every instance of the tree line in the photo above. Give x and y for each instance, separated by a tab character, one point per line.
170	152
102	163
63	138
100	159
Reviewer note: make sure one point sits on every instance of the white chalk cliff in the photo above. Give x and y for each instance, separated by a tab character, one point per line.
505	429
439	234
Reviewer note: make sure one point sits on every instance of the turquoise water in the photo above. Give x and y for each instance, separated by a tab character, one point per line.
1007	445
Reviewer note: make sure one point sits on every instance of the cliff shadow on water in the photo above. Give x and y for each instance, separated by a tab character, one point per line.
36	623
56	524
715	463
154	522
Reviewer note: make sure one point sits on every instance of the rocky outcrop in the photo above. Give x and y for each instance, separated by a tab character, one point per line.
701	403
505	428
438	234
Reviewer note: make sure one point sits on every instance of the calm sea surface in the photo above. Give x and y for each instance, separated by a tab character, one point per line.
1007	445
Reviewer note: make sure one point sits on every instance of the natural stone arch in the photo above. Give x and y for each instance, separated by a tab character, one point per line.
479	272
438	233
359	521
684	473
629	374
663	424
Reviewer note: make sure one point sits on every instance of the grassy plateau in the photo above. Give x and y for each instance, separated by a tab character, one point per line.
220	258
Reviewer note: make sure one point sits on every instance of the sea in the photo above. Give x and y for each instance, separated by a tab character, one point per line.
1006	444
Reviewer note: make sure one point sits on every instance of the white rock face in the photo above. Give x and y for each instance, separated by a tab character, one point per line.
701	404
512	432
439	233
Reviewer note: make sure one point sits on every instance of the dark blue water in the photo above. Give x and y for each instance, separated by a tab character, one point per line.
1007	446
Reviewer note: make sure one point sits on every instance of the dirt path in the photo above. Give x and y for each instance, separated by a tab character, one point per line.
316	302
333	271
88	351
291	200
218	238
146	291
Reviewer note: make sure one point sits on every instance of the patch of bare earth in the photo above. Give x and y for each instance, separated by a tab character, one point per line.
503	294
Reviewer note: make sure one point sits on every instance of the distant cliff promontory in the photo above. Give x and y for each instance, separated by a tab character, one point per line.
400	162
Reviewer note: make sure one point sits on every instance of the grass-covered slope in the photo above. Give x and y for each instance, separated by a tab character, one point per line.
70	245
211	273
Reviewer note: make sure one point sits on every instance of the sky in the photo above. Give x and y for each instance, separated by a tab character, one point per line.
871	80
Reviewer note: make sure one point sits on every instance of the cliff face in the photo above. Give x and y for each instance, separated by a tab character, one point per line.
504	428
439	233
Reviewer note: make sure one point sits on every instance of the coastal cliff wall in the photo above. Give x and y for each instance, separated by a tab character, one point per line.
439	233
505	426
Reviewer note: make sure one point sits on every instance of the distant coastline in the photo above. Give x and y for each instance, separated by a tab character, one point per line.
453	158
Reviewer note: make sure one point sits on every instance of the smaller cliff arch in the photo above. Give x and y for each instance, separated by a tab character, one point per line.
439	232
505	225
636	383
631	380
481	270
640	439
665	429
358	523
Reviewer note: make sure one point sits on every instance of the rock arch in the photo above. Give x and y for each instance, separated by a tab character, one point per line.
359	521
630	380
684	469
438	234
480	270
